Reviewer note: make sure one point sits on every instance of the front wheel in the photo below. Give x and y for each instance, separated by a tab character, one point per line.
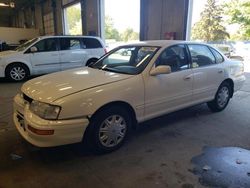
110	129
17	72
222	98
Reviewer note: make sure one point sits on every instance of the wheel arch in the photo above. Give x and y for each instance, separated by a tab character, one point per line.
231	83
90	60
16	62
86	135
122	104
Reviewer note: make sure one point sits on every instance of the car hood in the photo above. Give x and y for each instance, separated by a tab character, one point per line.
51	87
8	53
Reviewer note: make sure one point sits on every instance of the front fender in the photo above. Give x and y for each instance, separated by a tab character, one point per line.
87	102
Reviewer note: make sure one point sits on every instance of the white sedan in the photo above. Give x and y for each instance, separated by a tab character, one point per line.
104	101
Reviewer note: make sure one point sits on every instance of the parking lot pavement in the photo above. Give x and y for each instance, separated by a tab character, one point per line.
158	154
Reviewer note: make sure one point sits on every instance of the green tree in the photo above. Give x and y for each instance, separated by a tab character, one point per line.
110	31
74	20
210	27
239	13
129	34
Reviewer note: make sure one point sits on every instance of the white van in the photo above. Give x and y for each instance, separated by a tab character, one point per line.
50	54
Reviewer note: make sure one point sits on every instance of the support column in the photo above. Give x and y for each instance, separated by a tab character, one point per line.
53	5
83	16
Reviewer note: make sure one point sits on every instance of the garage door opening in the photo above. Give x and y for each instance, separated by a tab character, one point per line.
224	25
122	21
72	20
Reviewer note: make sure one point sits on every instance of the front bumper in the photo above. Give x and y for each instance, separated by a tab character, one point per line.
64	131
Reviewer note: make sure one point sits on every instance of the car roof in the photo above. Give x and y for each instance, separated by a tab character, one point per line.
162	43
67	36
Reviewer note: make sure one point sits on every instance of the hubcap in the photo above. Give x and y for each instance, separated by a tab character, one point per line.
223	97
17	73
112	131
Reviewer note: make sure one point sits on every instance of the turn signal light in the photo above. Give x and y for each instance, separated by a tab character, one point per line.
40	132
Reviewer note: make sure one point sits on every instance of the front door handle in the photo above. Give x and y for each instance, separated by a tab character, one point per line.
187	78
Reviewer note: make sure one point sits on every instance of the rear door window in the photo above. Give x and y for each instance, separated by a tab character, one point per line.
201	55
219	58
90	43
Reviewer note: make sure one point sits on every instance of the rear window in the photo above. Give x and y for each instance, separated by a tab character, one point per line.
91	43
218	56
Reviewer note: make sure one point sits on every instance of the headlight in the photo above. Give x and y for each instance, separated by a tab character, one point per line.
45	111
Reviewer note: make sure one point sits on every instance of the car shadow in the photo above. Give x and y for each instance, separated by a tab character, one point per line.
7	81
83	150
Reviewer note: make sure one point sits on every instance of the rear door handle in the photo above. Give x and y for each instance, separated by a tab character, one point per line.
220	71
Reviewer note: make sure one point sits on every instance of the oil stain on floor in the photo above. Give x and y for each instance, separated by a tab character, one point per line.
223	167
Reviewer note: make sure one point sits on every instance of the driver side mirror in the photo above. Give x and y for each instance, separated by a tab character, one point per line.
161	69
33	49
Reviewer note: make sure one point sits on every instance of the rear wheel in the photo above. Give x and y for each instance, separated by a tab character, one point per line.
109	129
17	72
222	98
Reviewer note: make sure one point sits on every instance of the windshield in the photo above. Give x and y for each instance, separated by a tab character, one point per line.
25	45
126	60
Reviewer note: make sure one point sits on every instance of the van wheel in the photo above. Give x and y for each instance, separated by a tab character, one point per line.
17	72
109	129
91	61
221	99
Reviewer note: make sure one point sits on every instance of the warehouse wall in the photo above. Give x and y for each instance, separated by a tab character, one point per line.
161	17
158	17
13	35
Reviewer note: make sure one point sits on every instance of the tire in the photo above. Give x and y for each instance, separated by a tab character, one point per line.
109	129
91	61
222	98
17	72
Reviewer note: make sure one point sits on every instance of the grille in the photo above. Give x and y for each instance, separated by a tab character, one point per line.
26	98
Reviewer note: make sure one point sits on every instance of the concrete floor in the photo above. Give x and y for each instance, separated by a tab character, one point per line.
158	154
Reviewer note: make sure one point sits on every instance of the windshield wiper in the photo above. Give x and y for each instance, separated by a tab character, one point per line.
112	70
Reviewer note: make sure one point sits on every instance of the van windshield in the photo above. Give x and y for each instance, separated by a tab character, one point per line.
126	59
25	45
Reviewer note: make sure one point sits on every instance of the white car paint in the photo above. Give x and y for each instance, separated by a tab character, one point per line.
81	92
51	61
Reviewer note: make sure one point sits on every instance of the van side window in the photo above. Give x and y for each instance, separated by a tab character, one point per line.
46	45
201	55
91	43
70	44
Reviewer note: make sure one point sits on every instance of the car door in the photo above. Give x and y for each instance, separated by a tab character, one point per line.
168	92
208	73
93	47
71	53
46	58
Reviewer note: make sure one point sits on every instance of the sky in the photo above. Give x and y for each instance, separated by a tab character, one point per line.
124	13
198	7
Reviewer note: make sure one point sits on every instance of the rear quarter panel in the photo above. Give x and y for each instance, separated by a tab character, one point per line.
235	71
